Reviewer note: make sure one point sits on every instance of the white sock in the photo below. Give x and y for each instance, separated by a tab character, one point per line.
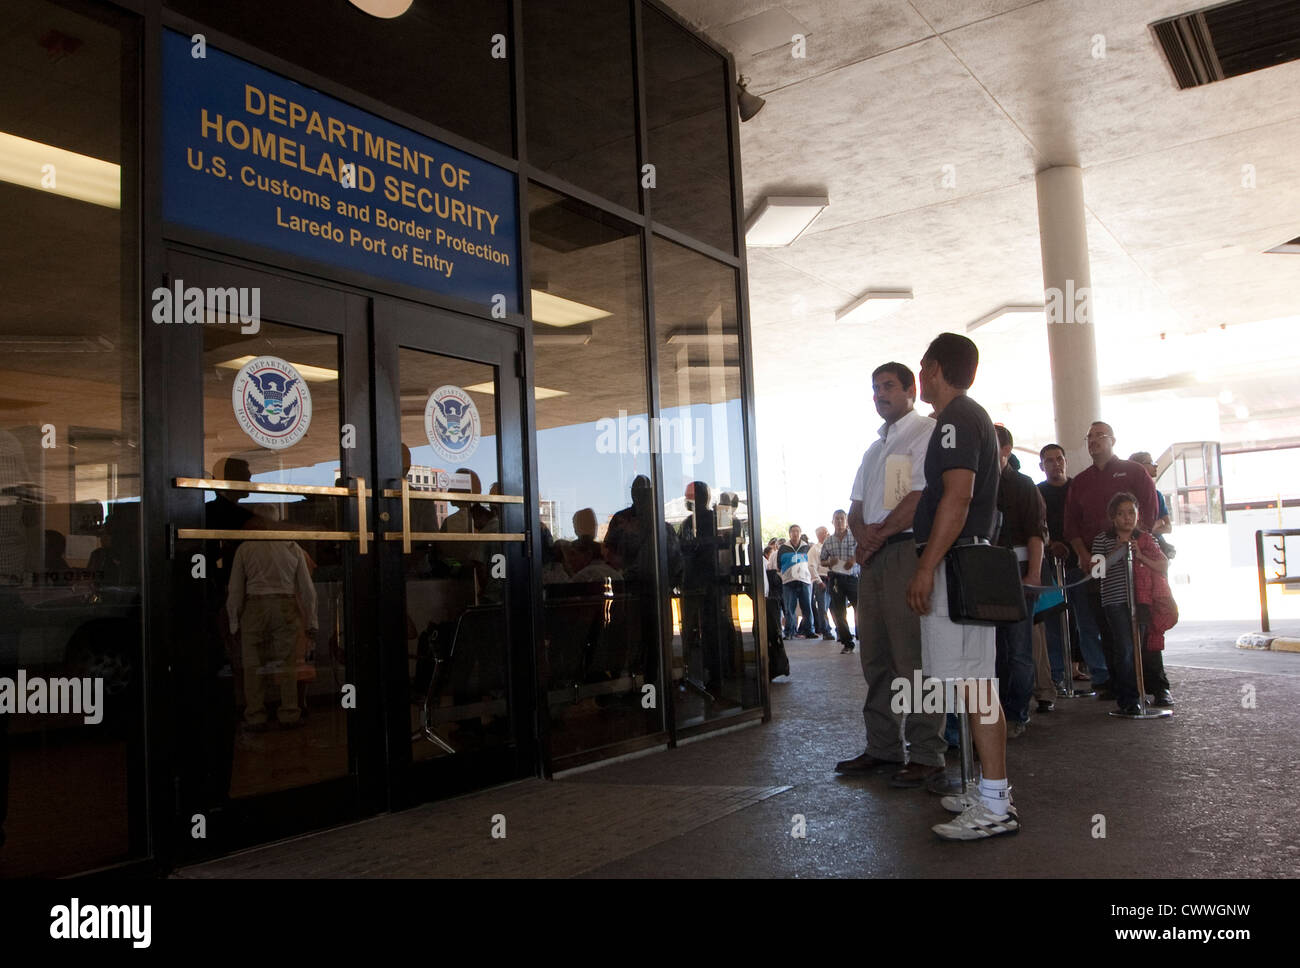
996	796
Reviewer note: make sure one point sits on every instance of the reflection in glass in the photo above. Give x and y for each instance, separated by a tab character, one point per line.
715	660
689	119
582	120
273	656
71	769
596	467
456	598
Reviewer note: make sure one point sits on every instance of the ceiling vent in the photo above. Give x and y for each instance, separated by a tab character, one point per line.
1230	39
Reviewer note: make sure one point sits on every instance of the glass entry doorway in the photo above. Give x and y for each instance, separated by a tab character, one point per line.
347	623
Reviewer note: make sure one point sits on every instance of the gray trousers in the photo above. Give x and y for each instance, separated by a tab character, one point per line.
889	635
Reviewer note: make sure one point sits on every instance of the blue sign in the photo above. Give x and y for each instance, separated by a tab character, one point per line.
254	156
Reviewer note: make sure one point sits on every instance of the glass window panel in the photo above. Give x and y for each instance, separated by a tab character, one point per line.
581	114
595	469
434	61
457	631
71	770
713	644
276	655
689	120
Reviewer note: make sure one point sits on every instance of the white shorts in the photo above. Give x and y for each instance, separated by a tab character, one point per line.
952	651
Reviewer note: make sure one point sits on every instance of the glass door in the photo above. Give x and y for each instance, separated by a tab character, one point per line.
452	540
278	707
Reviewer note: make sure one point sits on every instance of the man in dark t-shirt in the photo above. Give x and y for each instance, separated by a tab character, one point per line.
1084	635
958	505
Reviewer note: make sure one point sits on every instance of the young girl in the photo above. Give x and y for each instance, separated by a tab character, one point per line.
1123	513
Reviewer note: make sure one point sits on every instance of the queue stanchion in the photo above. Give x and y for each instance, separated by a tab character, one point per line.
966	782
1136	633
1067	691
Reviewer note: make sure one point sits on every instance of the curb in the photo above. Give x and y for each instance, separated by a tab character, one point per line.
1267	642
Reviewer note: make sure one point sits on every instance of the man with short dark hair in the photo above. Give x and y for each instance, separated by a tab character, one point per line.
1022	512
959	505
885	495
1083	629
796	583
1085	516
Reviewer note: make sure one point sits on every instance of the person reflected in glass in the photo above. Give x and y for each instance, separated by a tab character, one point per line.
700	599
219	663
271	599
585	562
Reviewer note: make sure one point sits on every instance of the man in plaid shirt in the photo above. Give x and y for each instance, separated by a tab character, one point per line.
837	557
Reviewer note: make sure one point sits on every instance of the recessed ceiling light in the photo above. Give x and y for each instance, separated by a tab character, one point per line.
59	172
577	336
702	337
386	9
539	393
1223	252
313	374
557	311
783	218
1007	310
874	304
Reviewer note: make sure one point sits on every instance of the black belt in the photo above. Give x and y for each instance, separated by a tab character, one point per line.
972	540
901	536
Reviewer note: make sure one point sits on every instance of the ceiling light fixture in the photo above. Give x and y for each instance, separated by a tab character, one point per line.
1009	309
783	218
557	311
384	9
874	304
59	172
702	337
312	374
539	393
577	336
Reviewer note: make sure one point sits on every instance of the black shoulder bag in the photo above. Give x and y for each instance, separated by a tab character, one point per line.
984	585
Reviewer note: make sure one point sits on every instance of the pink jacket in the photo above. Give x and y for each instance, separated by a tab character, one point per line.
1152	589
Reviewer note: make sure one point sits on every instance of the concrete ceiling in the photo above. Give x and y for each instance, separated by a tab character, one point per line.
1185	191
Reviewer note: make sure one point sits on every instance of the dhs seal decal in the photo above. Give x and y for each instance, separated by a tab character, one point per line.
451	422
272	402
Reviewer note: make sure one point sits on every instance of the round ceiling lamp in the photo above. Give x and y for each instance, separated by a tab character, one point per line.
386	9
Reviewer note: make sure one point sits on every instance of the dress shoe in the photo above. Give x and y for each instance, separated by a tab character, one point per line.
1132	709
1105	692
827	637
913	775
863	764
847	650
1163	698
1046	705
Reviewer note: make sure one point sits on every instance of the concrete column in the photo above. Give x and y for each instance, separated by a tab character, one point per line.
1067	293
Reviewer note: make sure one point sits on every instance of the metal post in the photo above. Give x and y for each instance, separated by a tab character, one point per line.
1263	581
1135	632
943	783
1067	691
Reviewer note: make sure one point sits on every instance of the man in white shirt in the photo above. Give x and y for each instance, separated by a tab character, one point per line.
885	496
270	592
821	625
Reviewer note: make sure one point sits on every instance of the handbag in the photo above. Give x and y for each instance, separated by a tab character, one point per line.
984	586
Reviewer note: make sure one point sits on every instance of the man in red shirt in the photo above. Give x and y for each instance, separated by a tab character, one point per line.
1085	515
